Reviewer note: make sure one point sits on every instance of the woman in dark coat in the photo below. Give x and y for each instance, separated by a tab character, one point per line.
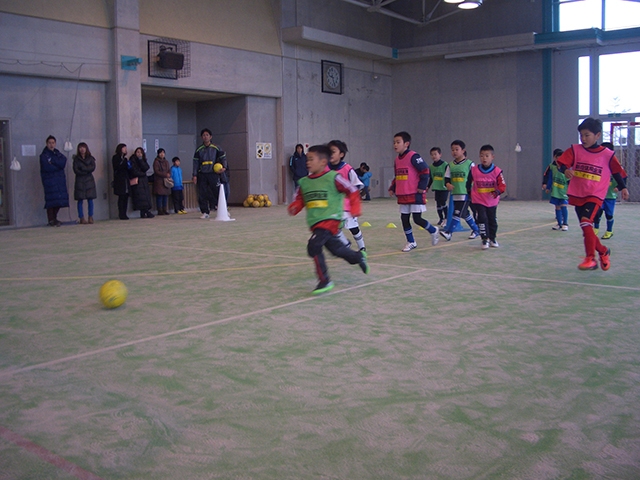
161	170
54	181
121	167
85	187
140	193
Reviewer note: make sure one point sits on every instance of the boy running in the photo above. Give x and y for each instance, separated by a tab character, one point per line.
322	193
455	178
436	183
555	183
410	187
590	167
336	163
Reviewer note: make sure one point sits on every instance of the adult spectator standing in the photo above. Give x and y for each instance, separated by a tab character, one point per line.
140	191
161	171
85	186
298	165
207	181
121	188
54	181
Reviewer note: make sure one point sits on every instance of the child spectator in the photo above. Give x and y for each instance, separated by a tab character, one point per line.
177	193
322	193
589	168
609	204
436	183
336	162
365	178
555	182
455	178
485	185
410	187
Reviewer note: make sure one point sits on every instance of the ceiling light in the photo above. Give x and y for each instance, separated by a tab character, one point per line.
453	1
470	4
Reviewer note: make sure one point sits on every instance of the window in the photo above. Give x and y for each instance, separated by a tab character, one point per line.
584	85
602	14
619	88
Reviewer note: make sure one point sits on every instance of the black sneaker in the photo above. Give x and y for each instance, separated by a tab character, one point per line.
323	287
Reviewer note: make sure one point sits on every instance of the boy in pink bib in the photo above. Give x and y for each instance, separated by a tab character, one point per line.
590	167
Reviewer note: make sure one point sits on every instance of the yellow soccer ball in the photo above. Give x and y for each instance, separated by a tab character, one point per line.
261	198
113	293
217	167
250	199
246	203
267	203
255	204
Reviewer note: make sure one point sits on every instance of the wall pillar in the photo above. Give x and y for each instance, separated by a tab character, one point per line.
124	94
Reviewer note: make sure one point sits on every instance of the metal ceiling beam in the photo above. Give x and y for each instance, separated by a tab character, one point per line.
375	6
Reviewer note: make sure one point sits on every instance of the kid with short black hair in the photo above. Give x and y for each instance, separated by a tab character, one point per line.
609	203
436	183
336	163
485	185
365	178
555	183
322	192
455	179
410	188
177	191
589	167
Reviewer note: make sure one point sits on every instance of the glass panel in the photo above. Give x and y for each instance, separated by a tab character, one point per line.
606	132
584	85
619	88
621	14
579	14
4	170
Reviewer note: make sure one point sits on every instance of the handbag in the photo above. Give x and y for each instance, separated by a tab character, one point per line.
133	181
168	182
15	165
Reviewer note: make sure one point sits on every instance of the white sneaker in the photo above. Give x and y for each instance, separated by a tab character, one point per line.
435	237
204	216
474	235
485	244
557	227
494	244
445	235
410	246
565	228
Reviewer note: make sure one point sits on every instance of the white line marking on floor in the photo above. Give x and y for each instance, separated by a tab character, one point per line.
10	372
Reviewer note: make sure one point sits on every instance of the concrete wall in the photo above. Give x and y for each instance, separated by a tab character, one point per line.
244	25
440	101
247	24
36	108
227	120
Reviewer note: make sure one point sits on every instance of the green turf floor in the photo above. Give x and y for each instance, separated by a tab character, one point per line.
446	362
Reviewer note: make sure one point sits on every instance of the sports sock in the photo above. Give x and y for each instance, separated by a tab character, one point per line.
342	237
409	235
358	238
471	222
565	215
591	240
559	216
609	224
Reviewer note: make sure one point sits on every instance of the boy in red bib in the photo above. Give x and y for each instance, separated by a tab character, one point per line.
485	184
590	167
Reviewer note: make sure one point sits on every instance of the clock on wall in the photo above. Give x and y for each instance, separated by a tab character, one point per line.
331	77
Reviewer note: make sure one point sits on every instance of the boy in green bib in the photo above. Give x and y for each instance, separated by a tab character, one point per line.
322	192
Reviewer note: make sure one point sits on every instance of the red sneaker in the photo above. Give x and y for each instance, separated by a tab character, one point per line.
589	263
605	261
